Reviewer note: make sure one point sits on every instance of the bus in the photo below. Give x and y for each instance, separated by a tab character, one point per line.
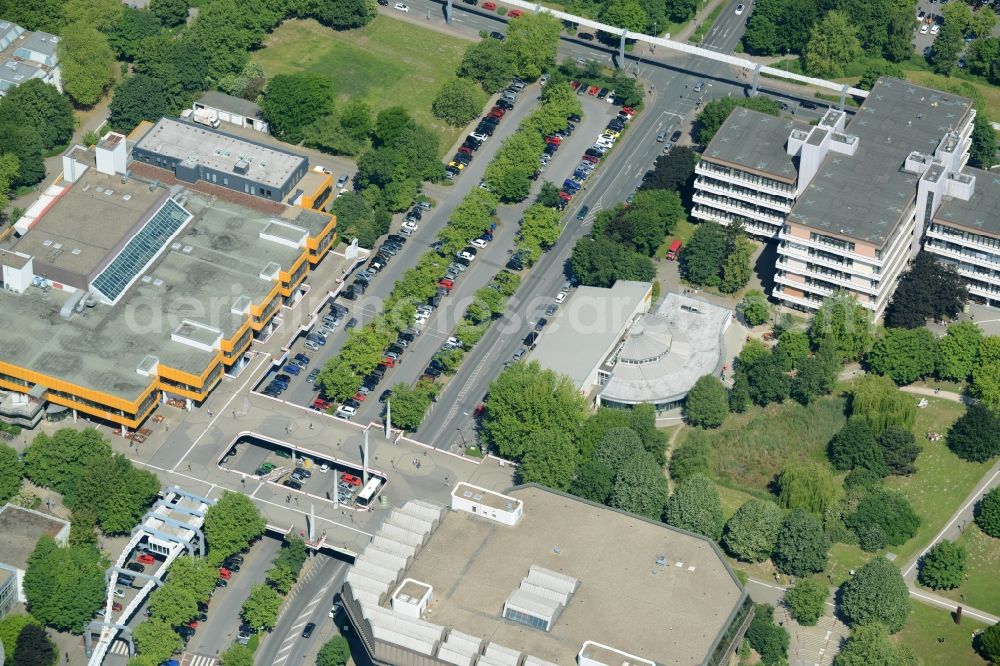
367	494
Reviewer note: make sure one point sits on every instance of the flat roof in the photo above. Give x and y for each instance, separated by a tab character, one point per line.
220	151
864	196
756	141
215	261
667	351
40	42
214	99
981	213
578	337
484	496
88	221
21	530
670	613
16	72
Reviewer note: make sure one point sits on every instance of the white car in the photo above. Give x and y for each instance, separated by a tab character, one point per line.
347	409
935	29
545	79
561	296
479	242
479	137
739	10
120	593
401	7
412	226
468	256
924	29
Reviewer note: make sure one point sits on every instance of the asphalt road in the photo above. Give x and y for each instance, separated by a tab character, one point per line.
311	603
728	29
494	256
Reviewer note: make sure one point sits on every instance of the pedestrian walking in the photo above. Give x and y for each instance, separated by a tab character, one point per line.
189	467
310	425
210	413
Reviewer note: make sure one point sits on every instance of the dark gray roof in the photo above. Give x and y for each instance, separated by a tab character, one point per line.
757	141
214	99
981	213
864	196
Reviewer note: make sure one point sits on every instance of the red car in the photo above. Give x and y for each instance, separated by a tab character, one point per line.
553	140
593	90
320	404
193	624
574	84
145	558
351	479
466	150
446	283
591	159
489	6
225	573
116	607
498	110
565	196
494	115
515	13
628	111
389	362
360	397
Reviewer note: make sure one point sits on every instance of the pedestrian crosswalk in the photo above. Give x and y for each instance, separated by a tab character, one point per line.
120	647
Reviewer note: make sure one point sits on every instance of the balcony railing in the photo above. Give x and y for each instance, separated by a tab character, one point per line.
829	247
782	204
704	168
737	206
990	260
845	282
753	227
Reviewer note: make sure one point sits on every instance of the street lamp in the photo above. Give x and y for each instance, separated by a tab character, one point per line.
465	444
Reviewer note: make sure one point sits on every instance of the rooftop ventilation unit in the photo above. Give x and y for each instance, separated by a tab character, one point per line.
155	184
187	249
126	197
99	188
175	246
46	242
146	279
157	282
75	251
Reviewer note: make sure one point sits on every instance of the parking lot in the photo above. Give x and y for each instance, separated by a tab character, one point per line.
296	473
922	41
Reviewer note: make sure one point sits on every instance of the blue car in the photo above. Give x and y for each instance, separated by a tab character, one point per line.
571	185
302	358
582	175
291	369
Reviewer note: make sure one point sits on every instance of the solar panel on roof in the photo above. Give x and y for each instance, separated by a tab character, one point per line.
141	250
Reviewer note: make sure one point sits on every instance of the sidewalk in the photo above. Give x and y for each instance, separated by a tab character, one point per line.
684	33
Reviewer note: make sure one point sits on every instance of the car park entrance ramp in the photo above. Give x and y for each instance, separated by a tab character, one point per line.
170	528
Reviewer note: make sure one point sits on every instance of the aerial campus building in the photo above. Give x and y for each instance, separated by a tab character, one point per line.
540	578
127	286
625	355
27	55
850	203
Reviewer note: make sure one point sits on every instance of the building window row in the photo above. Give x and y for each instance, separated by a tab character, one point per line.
967	236
745	192
823	239
747	176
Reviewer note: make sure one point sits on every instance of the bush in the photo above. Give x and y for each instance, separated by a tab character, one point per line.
989	643
754	307
751	533
806	601
899	450
943	566
876	594
806	485
883	518
458	101
988	513
335	652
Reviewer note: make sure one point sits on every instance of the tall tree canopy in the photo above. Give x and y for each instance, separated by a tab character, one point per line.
927	290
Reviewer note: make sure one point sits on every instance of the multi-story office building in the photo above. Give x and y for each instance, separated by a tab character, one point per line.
852	202
122	292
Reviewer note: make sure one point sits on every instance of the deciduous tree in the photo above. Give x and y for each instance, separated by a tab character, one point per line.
808	486
640	487
692	457
904	354
594	481
138	98
10	628
989	643
988	513
750	535
855	446
550	459
673	171
458	101
768	639
64	586
157	640
876	594
171	13
531	43
707	403
806	601
335	652
975	436
526	399
600	262
118	493
899	450
986	383
704	254
488	62
846	322
59	461
957	351
237	655
230	525
293	101
627	14
737	269
883	518
768	383
870	644
87	63
260	610
943	566
755	308
39	106
877	400
801	548
11	471
832	44
695	506
34	648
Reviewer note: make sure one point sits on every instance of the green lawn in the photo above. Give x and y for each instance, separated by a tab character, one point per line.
927	626
942	481
982	587
386	63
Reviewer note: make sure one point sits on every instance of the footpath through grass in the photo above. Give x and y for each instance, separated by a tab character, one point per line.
386	63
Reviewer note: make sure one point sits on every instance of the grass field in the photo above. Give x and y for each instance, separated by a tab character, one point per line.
942	481
386	63
927	626
982	587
